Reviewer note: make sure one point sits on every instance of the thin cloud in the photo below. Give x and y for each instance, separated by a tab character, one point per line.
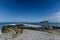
55	17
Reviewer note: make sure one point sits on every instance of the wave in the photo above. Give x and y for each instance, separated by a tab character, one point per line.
10	24
30	25
0	32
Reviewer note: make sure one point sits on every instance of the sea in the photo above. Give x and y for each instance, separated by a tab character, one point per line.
31	23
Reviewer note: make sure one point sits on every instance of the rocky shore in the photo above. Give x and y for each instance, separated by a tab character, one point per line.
18	33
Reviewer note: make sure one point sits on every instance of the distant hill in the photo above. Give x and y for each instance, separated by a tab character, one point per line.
44	22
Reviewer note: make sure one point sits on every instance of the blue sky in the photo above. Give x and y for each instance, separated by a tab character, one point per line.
29	10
